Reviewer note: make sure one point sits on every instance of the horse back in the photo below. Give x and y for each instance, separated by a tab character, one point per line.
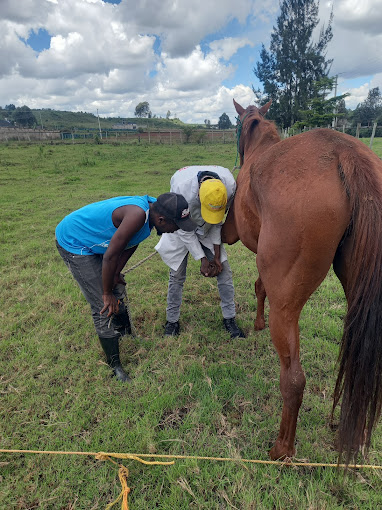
311	174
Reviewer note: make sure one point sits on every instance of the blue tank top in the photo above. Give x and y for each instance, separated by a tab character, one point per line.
88	230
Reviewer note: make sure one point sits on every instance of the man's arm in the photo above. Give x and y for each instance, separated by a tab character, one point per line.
123	258
133	220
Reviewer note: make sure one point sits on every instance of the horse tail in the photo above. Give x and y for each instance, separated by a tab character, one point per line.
359	379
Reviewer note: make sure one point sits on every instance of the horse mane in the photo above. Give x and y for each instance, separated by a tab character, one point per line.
267	135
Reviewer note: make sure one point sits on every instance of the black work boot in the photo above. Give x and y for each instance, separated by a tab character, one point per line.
121	323
171	328
233	329
111	349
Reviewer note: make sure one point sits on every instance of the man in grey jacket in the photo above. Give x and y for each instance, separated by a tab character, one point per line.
209	191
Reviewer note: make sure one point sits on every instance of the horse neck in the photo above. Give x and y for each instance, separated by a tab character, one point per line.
264	137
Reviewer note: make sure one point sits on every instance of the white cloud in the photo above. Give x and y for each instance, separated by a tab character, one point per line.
195	72
111	57
225	48
25	11
357	95
356	43
182	24
360	17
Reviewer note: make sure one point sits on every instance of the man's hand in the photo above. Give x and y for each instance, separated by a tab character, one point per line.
110	302
210	269
205	266
218	264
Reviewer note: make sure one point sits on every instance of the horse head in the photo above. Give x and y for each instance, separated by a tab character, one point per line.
247	120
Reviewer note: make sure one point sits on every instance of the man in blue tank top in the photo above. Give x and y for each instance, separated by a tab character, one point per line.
95	243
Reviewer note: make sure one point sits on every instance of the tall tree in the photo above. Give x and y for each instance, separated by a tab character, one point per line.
321	110
224	121
369	110
143	110
24	116
294	61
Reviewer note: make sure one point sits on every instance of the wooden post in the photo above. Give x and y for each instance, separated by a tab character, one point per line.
372	135
357	130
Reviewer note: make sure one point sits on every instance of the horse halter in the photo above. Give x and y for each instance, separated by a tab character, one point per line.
238	134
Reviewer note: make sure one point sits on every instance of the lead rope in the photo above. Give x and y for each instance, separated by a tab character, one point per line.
126	299
127	305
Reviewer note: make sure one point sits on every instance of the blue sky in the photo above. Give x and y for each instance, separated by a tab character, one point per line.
187	56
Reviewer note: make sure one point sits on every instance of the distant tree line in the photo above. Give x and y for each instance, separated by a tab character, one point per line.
22	116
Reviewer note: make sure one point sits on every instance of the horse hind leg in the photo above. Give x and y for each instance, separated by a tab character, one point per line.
260	295
285	336
286	300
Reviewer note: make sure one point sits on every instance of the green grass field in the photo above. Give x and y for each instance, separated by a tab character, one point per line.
199	394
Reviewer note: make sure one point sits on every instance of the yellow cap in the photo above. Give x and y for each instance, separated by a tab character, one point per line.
213	199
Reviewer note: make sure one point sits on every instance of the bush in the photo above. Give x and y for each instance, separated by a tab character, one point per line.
364	132
188	131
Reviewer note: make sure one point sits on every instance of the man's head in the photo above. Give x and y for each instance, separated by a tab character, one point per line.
170	212
213	200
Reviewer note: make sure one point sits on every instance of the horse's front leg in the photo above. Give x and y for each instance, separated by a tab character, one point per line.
260	296
229	233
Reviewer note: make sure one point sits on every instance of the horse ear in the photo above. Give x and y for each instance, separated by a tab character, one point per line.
263	110
240	110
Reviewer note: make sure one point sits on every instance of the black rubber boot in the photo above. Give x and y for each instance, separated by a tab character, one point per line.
111	349
171	328
233	329
121	323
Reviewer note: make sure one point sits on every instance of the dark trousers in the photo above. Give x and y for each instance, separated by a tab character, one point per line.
87	271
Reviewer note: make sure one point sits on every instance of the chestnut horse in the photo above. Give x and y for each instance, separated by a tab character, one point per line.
302	204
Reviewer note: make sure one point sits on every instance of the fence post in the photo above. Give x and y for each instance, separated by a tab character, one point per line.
357	131
372	135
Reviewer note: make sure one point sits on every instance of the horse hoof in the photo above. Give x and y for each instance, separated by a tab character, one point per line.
279	453
259	324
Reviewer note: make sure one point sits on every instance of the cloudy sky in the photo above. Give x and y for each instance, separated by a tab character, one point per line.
189	57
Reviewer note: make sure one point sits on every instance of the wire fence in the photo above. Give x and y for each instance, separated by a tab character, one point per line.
176	136
358	131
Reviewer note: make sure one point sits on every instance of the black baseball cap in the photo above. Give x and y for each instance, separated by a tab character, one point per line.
175	207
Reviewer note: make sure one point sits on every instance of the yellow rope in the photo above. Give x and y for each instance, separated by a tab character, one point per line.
140	458
123	472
